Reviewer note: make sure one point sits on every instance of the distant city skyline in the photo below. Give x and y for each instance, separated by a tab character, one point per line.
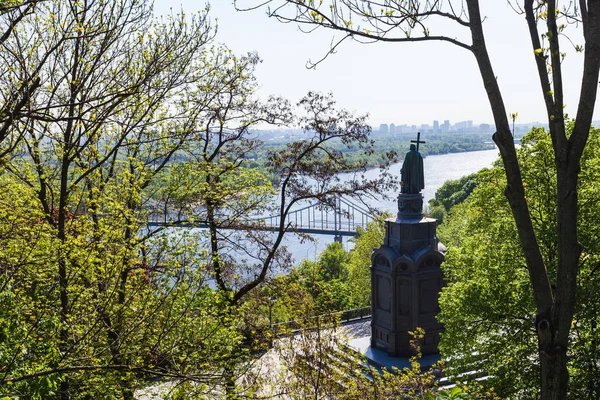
448	125
399	83
468	126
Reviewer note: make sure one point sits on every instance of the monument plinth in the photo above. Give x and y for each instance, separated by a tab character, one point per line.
410	206
406	277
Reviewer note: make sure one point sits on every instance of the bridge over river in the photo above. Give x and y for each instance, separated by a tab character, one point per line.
438	169
316	218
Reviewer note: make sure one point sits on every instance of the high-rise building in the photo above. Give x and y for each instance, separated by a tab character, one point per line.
436	126
383	128
392	128
446	126
464	126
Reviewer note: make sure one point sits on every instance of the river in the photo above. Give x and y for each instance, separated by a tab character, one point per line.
437	170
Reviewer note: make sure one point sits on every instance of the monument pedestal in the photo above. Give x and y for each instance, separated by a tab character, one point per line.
380	359
406	279
410	206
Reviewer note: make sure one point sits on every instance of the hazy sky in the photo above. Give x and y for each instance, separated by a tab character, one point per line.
404	83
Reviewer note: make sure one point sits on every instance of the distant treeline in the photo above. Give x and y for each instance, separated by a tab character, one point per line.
440	143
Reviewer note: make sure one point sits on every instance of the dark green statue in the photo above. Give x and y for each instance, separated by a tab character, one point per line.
412	172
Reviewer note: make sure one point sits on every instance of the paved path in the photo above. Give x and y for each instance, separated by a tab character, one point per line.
357	329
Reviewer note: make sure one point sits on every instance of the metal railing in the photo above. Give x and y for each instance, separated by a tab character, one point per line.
343	219
342	317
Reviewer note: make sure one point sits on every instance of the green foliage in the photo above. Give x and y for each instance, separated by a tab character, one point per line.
27	296
487	307
168	302
450	194
326	280
97	303
556	298
359	264
333	261
337	281
341	280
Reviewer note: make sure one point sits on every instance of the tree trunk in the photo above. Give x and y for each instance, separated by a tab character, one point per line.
554	315
554	375
62	272
553	336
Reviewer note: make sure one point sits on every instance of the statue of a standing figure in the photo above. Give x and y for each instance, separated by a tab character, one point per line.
412	172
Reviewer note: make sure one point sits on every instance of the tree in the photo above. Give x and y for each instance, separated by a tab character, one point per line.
107	301
326	280
122	98
414	21
101	125
232	201
487	302
168	307
450	194
359	265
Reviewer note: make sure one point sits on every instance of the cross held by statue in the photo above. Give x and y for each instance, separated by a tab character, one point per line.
418	141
